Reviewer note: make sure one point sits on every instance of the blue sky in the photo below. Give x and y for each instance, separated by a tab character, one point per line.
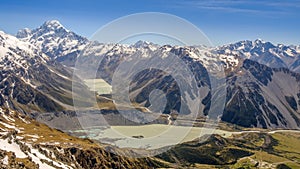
223	21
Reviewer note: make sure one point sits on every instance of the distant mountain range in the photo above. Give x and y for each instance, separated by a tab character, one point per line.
263	88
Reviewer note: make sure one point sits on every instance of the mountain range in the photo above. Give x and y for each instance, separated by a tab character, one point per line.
262	78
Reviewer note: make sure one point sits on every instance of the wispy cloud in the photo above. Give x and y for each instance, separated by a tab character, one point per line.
284	4
243	6
231	9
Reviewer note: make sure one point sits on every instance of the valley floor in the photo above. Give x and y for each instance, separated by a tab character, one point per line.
27	143
262	148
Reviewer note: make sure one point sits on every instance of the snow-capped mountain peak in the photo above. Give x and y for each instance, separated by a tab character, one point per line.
52	27
259	41
263	52
53	23
141	43
53	39
145	44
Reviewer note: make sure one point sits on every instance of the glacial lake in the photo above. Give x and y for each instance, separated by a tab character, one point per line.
151	136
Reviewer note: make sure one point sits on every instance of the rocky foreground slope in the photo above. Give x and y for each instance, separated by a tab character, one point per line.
25	143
